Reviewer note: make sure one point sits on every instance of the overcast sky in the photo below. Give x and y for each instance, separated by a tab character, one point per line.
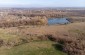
42	3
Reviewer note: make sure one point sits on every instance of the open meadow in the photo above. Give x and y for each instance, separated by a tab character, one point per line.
29	32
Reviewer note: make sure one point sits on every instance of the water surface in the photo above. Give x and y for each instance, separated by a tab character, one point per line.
53	21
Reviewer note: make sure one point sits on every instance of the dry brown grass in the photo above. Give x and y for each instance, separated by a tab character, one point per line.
70	36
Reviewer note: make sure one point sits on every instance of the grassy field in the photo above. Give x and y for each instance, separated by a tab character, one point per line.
13	45
31	40
33	48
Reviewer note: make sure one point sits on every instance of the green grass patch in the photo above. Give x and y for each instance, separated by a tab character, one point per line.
6	35
33	48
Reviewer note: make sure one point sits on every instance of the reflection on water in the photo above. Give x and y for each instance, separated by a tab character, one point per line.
52	21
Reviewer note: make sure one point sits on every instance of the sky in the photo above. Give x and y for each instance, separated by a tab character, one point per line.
42	3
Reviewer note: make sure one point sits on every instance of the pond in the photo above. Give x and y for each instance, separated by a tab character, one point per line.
53	21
